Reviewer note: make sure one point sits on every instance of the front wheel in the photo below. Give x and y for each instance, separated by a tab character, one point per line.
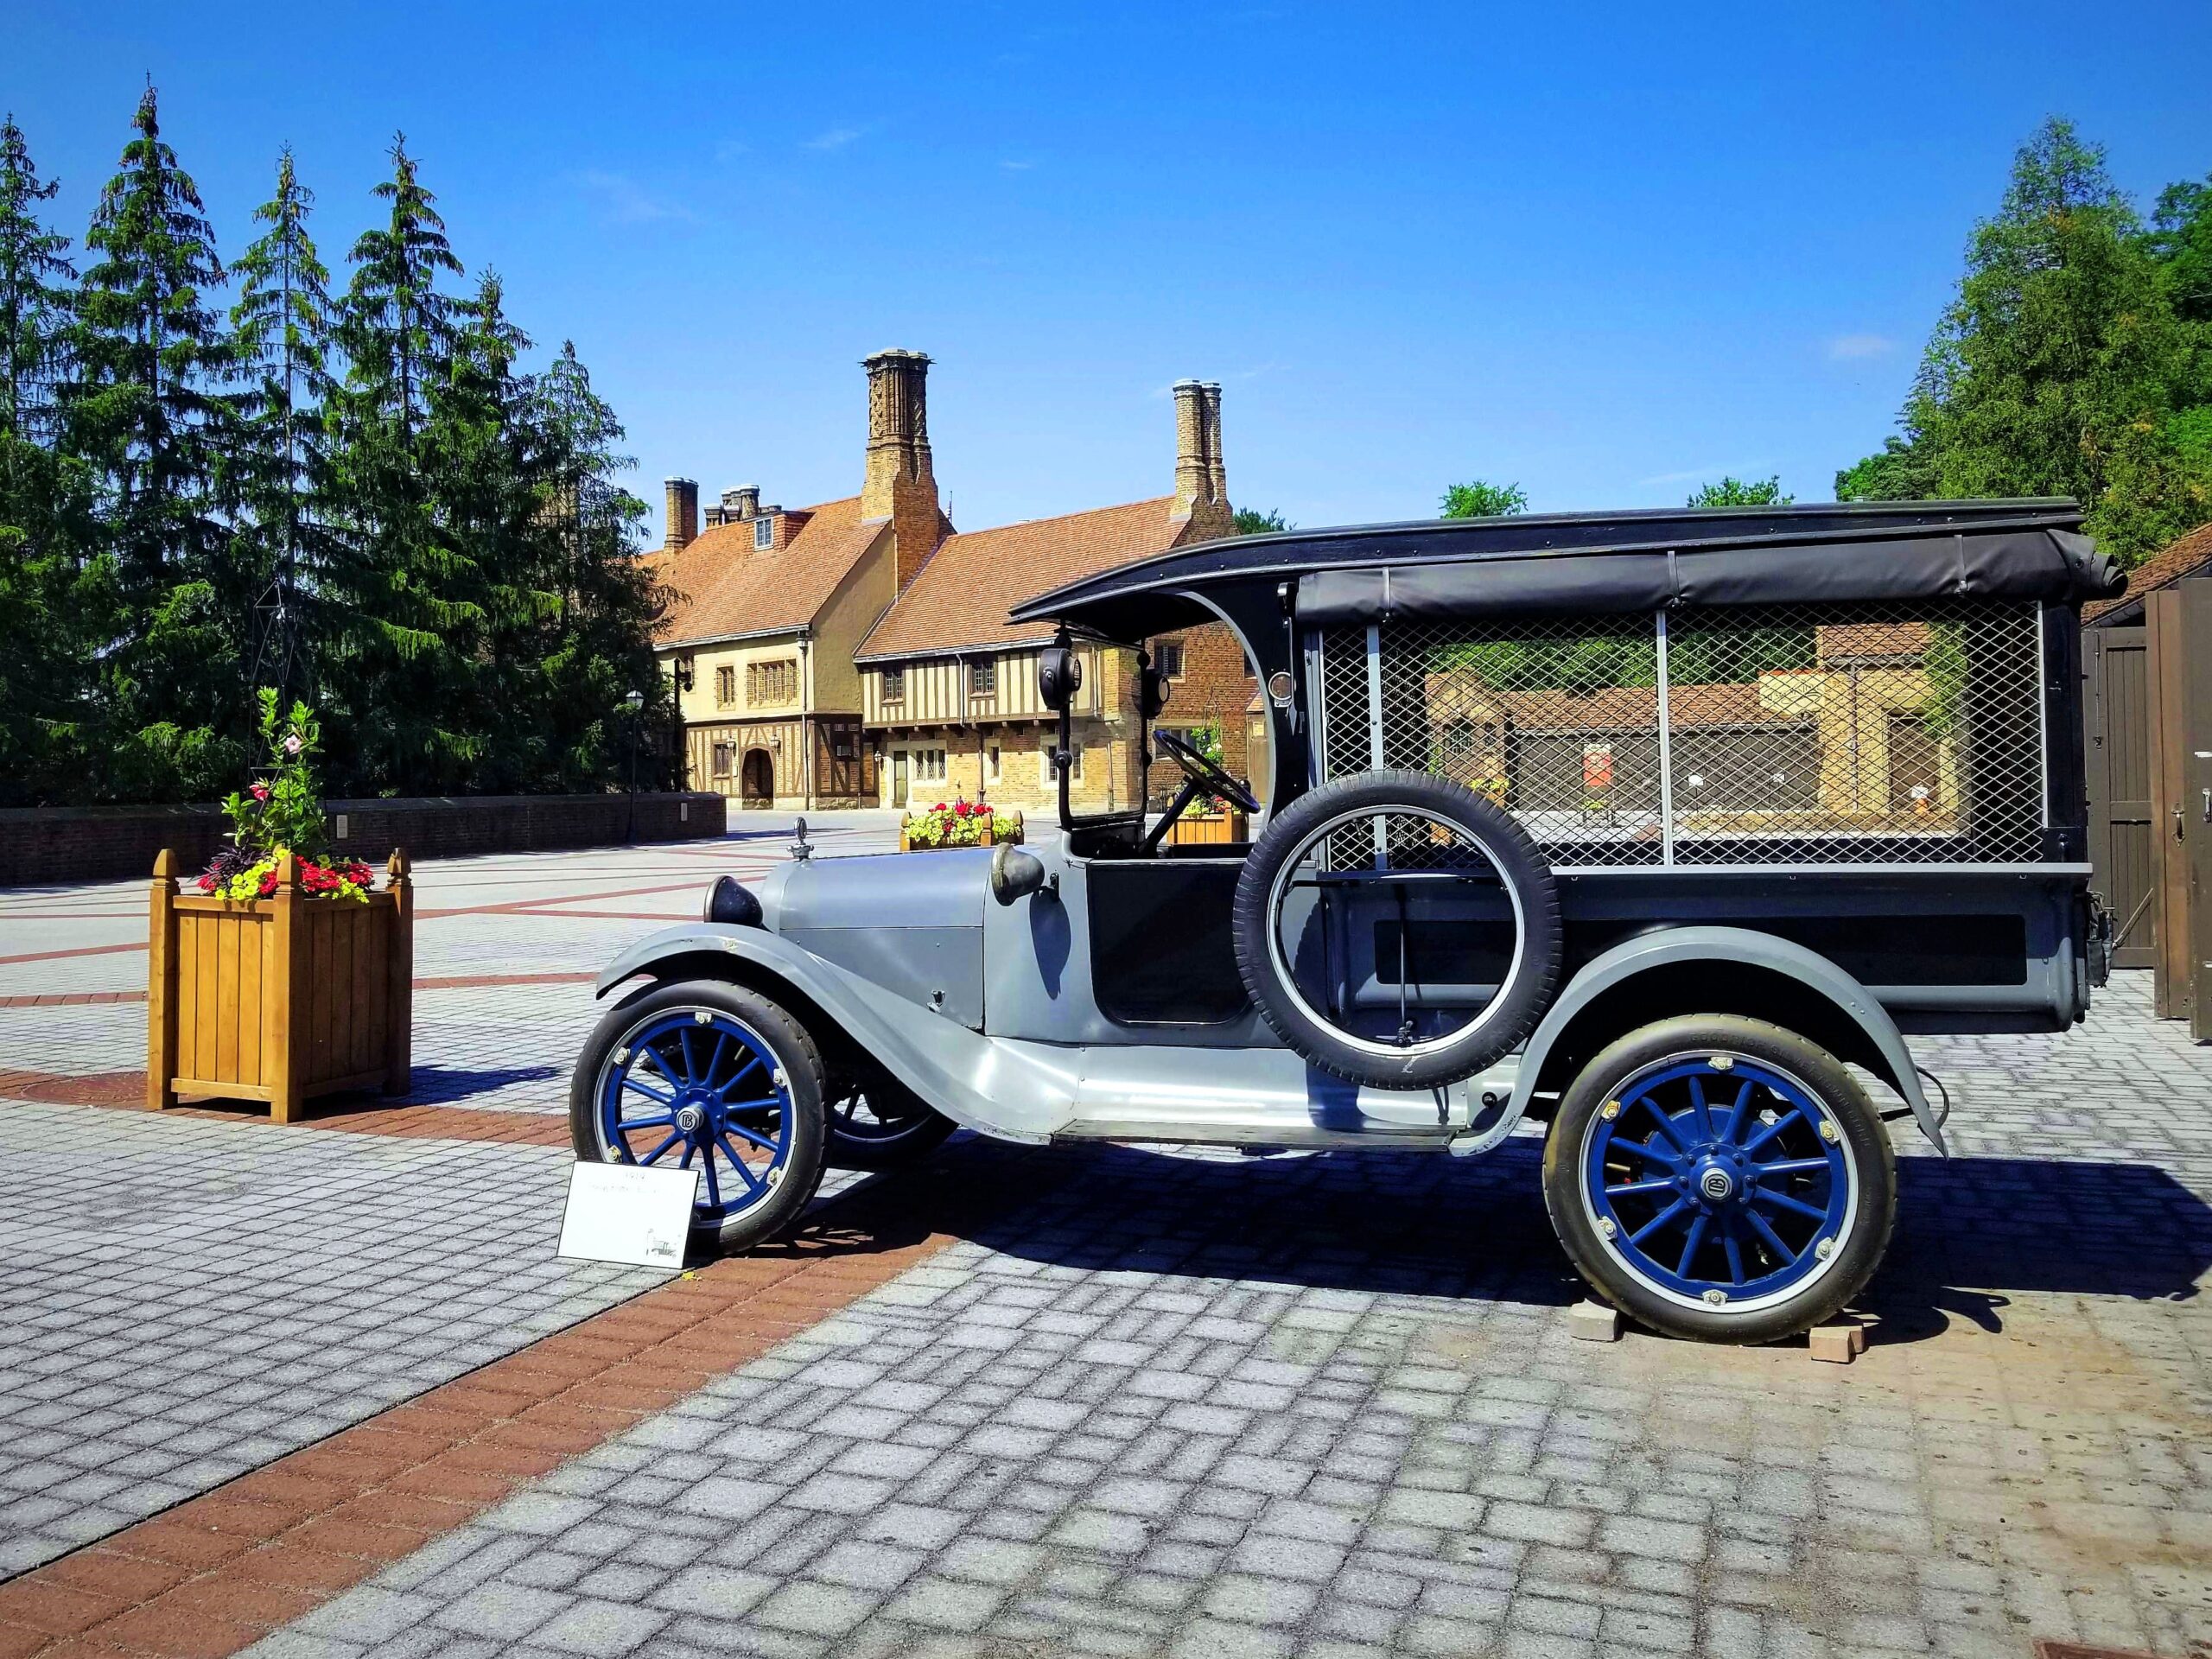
1720	1179
707	1076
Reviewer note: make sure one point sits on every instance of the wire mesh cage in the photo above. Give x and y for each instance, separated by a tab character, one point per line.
1783	734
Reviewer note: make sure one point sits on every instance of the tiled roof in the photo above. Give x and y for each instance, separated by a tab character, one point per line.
961	595
724	587
1611	710
2182	556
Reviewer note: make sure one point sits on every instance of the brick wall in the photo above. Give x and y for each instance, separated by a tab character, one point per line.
1214	690
113	843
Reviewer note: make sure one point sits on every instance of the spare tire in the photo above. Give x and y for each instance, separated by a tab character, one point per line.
1333	898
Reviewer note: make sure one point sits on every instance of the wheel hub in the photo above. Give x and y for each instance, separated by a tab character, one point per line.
1717	1183
689	1118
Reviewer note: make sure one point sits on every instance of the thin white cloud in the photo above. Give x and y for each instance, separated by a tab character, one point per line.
1845	348
1017	167
835	138
625	201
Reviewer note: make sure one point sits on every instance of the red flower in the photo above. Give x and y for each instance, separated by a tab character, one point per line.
259	792
960	809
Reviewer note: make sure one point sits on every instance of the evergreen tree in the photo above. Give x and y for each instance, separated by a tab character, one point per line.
405	667
1901	472
143	411
598	648
46	594
35	272
279	477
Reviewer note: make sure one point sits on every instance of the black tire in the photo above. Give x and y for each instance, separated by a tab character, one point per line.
794	1051
1499	1028
1866	1212
877	1122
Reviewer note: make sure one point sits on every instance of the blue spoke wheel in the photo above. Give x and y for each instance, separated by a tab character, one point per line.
877	1122
706	1077
1721	1178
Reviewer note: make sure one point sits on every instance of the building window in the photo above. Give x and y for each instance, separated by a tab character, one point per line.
983	677
725	686
1048	772
764	533
929	765
1167	657
767	684
724	755
894	685
991	763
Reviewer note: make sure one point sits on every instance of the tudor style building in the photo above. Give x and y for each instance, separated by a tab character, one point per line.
857	652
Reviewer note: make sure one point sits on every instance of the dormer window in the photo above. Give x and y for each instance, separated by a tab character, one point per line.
764	534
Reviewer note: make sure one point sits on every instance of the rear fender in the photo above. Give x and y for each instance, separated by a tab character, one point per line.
972	1080
1747	972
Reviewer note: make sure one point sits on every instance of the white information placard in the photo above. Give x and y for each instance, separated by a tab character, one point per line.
629	1213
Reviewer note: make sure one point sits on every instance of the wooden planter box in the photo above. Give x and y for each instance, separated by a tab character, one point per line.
1190	830
988	839
279	999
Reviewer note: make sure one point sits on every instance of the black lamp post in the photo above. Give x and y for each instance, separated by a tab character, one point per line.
634	701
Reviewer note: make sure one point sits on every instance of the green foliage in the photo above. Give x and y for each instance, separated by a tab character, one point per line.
1250	521
359	502
283	809
1740	492
1902	472
2071	357
1477	499
2181	241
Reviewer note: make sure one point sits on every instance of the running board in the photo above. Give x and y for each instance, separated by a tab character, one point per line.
1398	1137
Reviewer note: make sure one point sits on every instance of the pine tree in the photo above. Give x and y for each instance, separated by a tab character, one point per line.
405	670
145	411
34	296
278	480
47	595
600	648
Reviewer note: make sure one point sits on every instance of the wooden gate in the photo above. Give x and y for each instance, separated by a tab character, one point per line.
2118	714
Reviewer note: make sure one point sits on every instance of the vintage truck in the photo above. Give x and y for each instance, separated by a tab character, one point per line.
1660	832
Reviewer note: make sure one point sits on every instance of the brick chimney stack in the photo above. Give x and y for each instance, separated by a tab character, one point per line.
682	513
1217	474
900	483
742	504
1194	481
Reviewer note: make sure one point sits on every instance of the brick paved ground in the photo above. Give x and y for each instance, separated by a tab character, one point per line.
187	1300
1327	1405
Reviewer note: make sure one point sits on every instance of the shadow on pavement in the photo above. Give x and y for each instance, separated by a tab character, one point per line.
1971	1231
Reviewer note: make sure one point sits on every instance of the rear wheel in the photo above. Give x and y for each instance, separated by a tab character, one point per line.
702	1075
1720	1179
877	1122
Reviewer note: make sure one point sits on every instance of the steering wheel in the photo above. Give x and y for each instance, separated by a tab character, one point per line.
1205	773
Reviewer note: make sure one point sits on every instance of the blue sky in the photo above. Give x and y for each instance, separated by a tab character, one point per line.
1606	252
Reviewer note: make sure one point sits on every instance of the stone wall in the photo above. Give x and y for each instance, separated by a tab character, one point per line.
105	843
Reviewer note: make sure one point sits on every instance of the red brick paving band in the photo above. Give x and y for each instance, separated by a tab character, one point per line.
220	1571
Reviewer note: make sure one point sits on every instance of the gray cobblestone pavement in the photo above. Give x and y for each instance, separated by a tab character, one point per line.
184	1300
1326	1405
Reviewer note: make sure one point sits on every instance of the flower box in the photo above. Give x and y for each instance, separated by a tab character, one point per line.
1194	830
279	999
987	831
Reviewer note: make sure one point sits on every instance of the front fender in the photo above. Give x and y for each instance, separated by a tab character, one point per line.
988	1087
1735	946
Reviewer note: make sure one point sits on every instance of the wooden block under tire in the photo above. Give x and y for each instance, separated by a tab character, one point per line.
1593	1321
1838	1342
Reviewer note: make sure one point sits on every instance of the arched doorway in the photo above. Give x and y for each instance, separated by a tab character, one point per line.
756	779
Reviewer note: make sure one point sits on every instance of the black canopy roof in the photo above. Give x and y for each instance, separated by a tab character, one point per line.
1614	562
